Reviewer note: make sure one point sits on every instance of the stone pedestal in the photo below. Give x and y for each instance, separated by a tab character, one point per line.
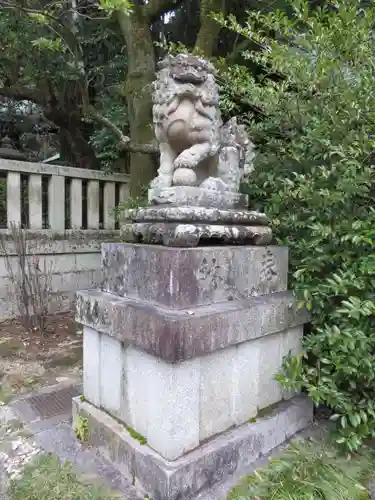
190	216
193	319
181	345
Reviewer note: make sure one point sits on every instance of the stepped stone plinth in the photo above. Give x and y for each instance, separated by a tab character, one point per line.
193	319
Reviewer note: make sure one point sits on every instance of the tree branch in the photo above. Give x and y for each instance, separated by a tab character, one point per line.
125	143
155	8
22	93
59	29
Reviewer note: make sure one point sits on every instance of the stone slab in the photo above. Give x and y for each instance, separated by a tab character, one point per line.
197	197
217	392
111	364
27	167
200	469
91	364
59	439
177	335
176	406
194	234
223	490
186	277
196	214
55	435
164	402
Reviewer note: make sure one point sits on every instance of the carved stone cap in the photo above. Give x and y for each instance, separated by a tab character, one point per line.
192	196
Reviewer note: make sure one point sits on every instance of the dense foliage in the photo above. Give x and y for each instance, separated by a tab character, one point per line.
66	62
313	120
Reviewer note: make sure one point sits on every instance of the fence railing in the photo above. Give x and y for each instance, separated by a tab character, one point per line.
40	196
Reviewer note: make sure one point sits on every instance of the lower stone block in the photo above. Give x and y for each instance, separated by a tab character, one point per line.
208	464
177	406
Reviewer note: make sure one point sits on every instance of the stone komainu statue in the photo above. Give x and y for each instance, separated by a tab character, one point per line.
195	148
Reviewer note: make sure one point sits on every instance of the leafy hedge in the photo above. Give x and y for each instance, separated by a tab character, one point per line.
314	124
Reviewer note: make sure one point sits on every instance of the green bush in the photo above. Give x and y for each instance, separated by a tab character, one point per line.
314	125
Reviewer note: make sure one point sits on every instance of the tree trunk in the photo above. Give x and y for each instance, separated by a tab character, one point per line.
65	107
76	149
209	29
138	89
74	140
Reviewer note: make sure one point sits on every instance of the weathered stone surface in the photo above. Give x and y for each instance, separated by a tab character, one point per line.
91	366
217	392
27	167
111	370
189	130
176	335
197	214
186	120
212	462
176	406
183	277
164	399
270	358
73	257
55	435
197	197
193	234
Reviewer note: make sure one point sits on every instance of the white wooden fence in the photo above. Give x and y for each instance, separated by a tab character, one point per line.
63	183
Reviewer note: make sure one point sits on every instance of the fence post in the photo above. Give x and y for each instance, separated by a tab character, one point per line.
109	205
93	205
35	202
13	198
56	202
76	204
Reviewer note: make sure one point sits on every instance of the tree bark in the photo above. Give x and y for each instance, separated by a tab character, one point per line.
75	144
138	89
209	29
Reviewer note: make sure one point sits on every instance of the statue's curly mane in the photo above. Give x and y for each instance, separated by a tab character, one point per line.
167	86
195	148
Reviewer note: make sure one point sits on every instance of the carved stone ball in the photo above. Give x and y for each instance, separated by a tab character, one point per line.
184	177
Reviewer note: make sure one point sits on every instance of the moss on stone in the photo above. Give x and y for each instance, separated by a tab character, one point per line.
135	435
264	412
6	396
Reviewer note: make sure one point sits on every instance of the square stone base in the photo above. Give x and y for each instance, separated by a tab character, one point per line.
178	406
230	452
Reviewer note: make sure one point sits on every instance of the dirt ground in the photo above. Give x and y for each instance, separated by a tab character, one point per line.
29	360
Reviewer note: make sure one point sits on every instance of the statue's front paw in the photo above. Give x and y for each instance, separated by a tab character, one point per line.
161	182
185	160
214	184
